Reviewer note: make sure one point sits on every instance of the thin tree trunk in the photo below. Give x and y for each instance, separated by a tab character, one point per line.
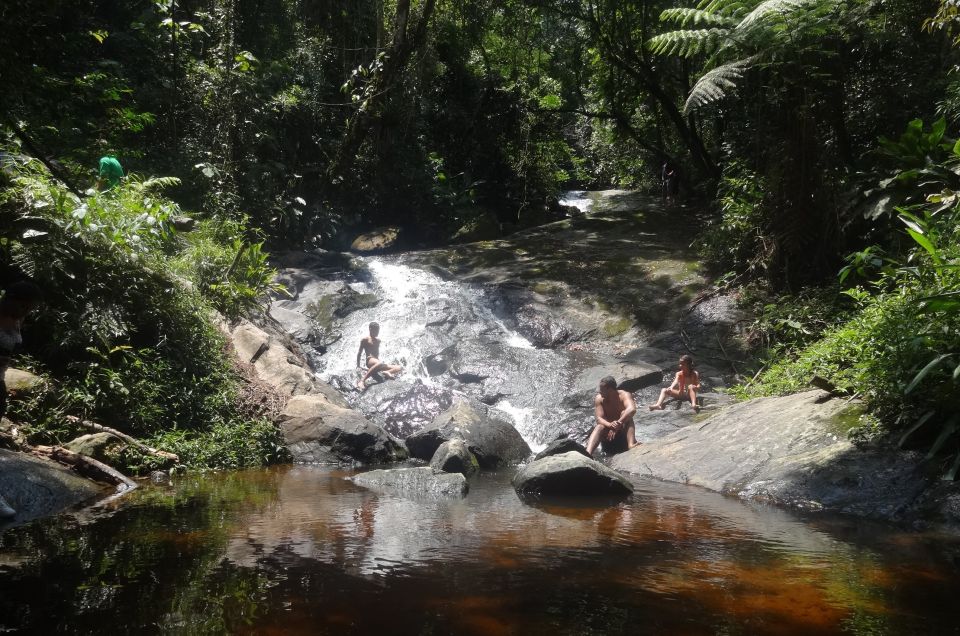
398	55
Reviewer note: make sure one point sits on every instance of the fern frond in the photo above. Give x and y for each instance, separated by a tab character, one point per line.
160	183
716	84
689	42
728	8
684	16
782	9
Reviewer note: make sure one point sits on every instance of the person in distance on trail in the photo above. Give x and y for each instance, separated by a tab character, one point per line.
669	181
614	410
110	173
685	384
370	346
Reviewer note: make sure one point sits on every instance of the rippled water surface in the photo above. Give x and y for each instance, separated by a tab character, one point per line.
300	550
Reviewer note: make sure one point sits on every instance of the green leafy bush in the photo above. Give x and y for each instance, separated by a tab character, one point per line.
736	241
901	351
127	341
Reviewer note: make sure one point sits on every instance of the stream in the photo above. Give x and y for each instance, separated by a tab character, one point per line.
300	550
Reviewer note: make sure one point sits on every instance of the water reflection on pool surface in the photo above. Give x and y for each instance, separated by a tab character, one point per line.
301	550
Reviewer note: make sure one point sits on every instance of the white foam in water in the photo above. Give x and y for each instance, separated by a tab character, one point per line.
523	422
578	199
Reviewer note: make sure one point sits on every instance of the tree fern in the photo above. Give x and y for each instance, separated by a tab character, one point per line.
716	84
783	10
685	16
688	42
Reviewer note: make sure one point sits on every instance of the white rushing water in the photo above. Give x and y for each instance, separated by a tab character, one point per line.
420	314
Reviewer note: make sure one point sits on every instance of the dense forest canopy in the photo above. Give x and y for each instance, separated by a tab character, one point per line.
818	133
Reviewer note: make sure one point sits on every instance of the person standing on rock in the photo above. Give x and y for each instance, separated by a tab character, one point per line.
614	410
370	346
19	300
685	384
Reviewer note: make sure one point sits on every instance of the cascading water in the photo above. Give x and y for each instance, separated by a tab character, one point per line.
423	317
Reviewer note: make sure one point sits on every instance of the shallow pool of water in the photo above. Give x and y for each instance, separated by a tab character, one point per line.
301	550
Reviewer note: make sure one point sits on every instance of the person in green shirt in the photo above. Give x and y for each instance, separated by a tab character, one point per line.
110	173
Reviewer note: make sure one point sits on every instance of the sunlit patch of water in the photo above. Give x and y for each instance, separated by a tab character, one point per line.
579	199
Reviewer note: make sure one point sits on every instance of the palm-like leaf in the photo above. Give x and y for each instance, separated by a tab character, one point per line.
689	42
716	84
685	16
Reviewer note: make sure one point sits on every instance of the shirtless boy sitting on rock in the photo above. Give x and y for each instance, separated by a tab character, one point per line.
370	346
614	410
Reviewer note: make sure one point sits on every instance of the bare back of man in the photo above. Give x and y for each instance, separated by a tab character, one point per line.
614	410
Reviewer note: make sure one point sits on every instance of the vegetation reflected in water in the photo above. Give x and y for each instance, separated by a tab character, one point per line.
301	550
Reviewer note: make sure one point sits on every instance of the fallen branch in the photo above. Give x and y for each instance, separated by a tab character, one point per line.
133	442
86	466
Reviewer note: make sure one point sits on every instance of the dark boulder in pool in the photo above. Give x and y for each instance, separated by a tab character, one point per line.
414	482
455	457
560	446
570	474
317	431
35	488
493	441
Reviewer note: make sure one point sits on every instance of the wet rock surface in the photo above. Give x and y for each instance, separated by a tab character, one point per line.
454	457
570	474
317	431
790	450
560	446
419	482
491	439
35	488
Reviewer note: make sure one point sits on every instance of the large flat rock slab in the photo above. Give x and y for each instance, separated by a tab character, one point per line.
37	488
789	450
420	482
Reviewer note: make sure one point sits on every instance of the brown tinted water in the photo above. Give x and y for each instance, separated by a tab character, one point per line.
299	550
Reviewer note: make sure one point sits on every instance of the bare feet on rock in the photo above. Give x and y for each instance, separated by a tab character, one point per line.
655	407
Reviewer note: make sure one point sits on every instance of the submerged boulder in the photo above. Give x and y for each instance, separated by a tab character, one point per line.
454	457
570	474
35	488
414	482
493	441
317	431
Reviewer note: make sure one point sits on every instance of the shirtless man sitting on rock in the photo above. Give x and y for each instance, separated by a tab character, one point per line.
614	410
371	347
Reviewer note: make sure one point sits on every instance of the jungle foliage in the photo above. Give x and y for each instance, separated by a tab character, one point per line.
821	133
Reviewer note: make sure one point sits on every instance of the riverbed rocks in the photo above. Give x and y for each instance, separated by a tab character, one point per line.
454	456
318	431
630	375
570	474
277	365
20	382
419	482
494	441
103	447
789	450
560	446
36	488
376	241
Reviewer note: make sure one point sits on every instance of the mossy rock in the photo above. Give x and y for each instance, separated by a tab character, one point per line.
483	226
20	382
